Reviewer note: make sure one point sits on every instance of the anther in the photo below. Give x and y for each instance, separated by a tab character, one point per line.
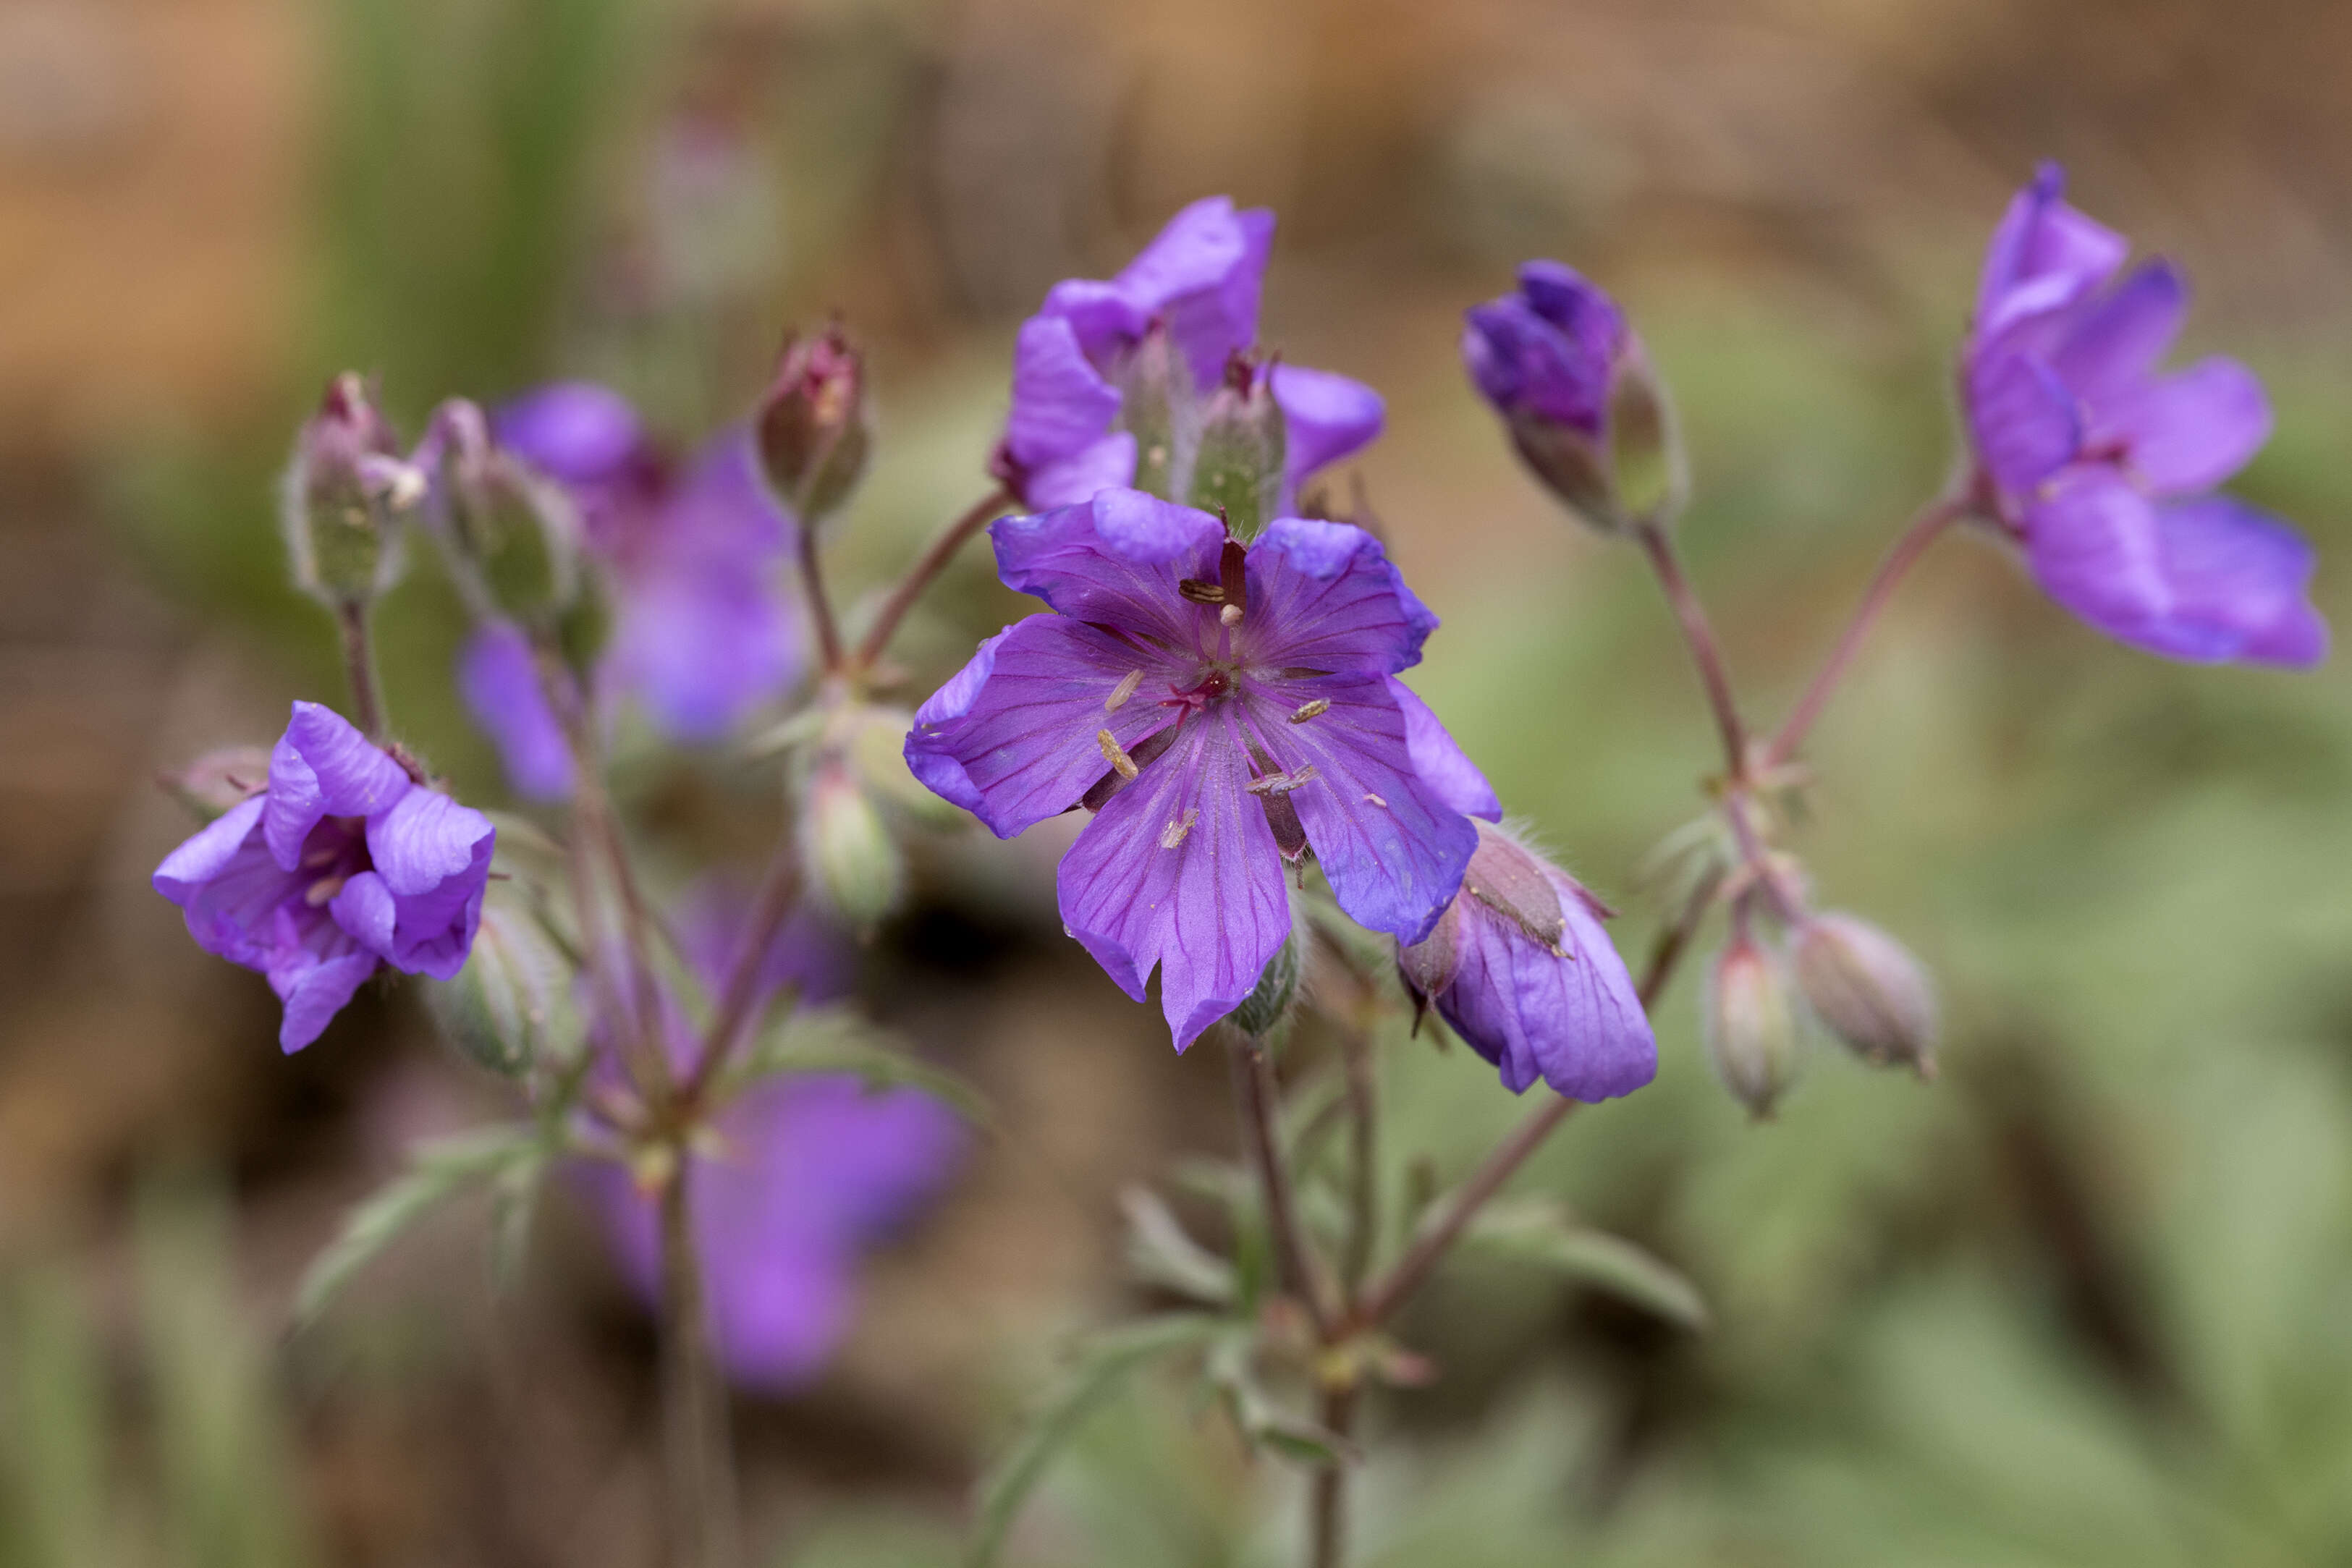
1231	615
1372	799
322	891
1315	710
1121	692
1173	833
1200	592
1114	754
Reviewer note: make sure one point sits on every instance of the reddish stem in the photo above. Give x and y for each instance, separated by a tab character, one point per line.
1698	632
918	577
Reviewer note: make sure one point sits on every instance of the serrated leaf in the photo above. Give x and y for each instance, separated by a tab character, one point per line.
1542	1233
1104	1365
1160	1251
837	1041
440	1171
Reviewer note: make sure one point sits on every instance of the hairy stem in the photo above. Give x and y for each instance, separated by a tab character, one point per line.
927	565
1327	1500
1699	633
1254	1100
700	1476
359	668
1923	531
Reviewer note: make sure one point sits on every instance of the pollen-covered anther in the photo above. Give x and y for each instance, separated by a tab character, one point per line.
1283	783
1173	833
1372	799
1121	692
1315	710
1231	615
321	892
1200	592
1114	754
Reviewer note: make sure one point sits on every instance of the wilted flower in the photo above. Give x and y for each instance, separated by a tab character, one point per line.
1559	362
1867	990
811	430
2102	469
341	862
1521	967
1221	709
808	1174
1110	378
1751	1024
343	494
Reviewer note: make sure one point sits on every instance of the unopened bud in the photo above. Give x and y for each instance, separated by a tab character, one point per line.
345	493
811	427
1269	1005
503	1012
846	849
512	531
1868	991
874	741
1160	409
1751	1025
1238	471
219	781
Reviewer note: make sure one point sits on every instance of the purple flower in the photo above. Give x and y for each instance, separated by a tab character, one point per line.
1521	966
811	1172
1108	378
701	632
1220	709
1550	351
2102	467
341	862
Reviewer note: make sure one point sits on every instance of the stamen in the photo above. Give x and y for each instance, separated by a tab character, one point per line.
1114	754
1283	783
322	891
325	854
1173	833
1315	710
1372	799
1231	615
1121	692
1199	593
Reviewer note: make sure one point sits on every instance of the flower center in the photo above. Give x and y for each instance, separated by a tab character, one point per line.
335	853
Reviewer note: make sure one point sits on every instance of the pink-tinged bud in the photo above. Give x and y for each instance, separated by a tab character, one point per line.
1751	1025
219	781
1868	991
345	494
811	428
1237	474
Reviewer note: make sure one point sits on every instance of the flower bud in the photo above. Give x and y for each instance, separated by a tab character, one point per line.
345	493
504	1010
1238	473
1265	1007
811	428
1867	990
1157	407
847	851
1584	408
513	532
219	781
1751	1025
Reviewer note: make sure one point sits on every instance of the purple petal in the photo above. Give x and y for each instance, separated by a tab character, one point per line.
1575	1021
2115	343
1203	272
1575	304
1392	846
1102	315
2190	431
314	989
367	913
1178	870
2092	544
1020	744
2023	418
1117	559
210	852
497	675
1108	465
722	511
1325	417
574	431
1061	404
1441	762
2044	256
433	856
2240	584
1323	595
806	953
321	767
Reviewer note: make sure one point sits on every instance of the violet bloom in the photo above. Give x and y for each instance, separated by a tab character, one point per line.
692	556
2103	468
810	1172
1551	352
1220	709
344	861
1109	378
1522	969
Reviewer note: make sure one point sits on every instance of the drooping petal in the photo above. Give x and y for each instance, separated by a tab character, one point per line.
433	856
315	987
1118	560
2092	544
1441	761
1178	870
1020	742
2043	257
2024	423
321	767
2115	343
1061	404
1324	596
1325	417
2190	431
1574	1022
1392	846
2240	581
574	431
497	676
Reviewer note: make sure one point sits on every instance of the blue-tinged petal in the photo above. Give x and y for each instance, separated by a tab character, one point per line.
1203	274
1061	404
497	676
1117	559
2241	584
2091	543
1389	843
2190	431
2044	256
1440	759
1324	416
321	767
1323	595
2114	342
1108	465
573	431
2025	424
433	856
1014	738
1180	872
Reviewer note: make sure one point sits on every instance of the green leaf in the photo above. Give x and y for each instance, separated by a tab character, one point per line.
1263	1423
440	1171
1105	1363
1160	1251
836	1039
1541	1232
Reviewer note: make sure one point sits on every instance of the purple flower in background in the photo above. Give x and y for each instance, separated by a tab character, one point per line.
341	862
1221	710
1109	378
701	632
2103	468
811	1172
1521	967
1550	351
